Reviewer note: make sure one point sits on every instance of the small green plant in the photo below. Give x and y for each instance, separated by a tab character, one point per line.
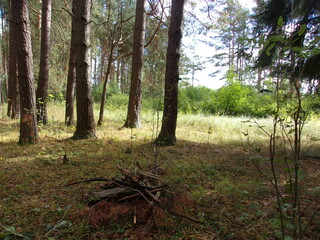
59	227
11	233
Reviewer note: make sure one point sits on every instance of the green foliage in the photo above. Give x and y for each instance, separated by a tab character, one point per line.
114	99
233	99
195	99
55	97
118	100
152	103
315	105
10	232
97	92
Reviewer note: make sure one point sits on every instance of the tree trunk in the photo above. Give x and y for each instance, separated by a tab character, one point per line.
28	123
12	70
95	78
259	79
167	135
102	63
9	94
118	71
4	55
122	76
42	90
105	84
134	105
71	82
85	120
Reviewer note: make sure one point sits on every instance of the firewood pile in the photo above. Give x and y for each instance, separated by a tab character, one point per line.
140	195
132	185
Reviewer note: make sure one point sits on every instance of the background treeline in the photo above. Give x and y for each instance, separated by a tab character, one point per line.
233	99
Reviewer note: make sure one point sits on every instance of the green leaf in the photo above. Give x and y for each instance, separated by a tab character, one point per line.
280	21
12	230
266	44
271	46
35	210
230	236
302	29
261	40
296	49
62	223
291	131
268	53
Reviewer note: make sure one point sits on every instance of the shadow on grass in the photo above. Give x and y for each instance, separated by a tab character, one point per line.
231	197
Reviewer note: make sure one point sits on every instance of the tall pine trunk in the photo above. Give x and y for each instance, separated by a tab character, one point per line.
167	135
122	76
42	90
4	55
85	120
28	123
13	84
134	105
71	82
259	79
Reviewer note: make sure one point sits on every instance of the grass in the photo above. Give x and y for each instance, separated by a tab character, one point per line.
210	162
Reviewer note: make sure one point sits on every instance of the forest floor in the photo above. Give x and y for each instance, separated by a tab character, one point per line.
211	163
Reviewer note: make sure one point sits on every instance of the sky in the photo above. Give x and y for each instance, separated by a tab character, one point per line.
202	78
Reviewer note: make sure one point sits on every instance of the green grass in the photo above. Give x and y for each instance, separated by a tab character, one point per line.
210	162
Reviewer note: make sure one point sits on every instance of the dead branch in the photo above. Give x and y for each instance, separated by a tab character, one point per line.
89	180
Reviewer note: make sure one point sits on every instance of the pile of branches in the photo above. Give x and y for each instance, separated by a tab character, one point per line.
137	194
132	185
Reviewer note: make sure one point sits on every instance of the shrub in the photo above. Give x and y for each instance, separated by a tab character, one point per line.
118	100
194	99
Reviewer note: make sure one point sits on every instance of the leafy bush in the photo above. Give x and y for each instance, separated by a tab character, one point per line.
315	104
55	97
194	99
233	99
97	92
152	103
118	100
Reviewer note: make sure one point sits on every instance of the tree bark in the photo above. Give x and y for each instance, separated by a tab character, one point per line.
12	70
28	123
122	76
167	135
259	79
102	63
85	120
13	75
42	90
9	94
134	105
71	82
4	55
